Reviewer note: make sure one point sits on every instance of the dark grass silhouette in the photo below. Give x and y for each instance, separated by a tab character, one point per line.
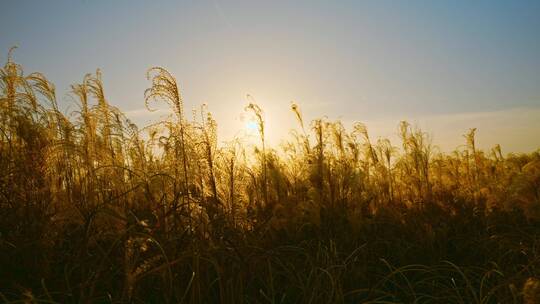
94	210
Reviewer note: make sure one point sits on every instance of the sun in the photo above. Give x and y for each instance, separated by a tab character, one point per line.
252	126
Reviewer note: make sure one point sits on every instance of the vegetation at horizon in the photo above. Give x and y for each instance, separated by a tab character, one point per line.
94	209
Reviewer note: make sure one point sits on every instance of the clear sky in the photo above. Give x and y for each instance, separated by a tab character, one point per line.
445	65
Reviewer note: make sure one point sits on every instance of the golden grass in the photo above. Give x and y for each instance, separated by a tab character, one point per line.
94	209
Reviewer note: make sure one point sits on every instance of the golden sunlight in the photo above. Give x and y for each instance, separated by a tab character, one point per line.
390	152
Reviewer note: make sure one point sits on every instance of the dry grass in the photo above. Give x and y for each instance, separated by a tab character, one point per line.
93	209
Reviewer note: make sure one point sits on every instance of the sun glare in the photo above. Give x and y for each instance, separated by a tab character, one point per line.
251	127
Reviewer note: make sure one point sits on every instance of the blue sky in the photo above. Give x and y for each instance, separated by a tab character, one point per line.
445	65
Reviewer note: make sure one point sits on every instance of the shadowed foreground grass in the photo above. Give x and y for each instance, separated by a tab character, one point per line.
95	210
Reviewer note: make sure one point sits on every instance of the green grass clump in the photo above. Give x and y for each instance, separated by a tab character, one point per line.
95	210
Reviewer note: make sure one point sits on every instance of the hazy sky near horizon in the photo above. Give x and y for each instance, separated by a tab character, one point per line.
446	65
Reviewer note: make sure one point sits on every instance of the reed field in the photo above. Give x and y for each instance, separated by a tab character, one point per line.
95	209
